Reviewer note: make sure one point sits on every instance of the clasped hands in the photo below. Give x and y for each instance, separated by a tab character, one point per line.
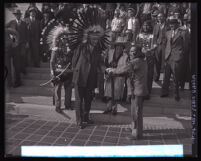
110	71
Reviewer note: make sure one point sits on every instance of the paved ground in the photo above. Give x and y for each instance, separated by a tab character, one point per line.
23	128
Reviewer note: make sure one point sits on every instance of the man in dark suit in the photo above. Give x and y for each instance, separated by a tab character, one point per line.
39	15
19	57
85	63
174	54
159	38
187	57
34	32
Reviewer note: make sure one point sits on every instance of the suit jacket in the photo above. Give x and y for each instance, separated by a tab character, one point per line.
159	39
34	30
139	67
174	49
85	66
21	29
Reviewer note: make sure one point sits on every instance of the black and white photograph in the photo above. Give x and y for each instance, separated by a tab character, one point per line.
98	75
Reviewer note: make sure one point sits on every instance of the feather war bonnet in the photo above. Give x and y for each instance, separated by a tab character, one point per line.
57	35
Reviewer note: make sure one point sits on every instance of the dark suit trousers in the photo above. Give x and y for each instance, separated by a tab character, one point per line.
101	84
159	60
17	64
8	66
137	113
34	50
22	51
185	76
174	68
83	95
68	93
150	72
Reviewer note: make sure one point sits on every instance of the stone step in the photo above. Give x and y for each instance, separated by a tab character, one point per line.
35	91
31	87
38	70
37	76
149	109
31	95
35	83
43	112
44	65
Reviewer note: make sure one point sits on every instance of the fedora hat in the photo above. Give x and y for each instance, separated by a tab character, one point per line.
173	20
32	9
17	12
155	12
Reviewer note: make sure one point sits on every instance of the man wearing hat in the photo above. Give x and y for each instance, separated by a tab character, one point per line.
187	56
159	38
34	31
174	55
19	57
32	6
45	52
154	15
133	25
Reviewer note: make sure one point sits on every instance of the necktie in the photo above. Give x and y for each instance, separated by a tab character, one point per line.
32	19
173	33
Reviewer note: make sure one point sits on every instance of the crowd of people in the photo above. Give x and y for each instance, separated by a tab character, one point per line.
145	40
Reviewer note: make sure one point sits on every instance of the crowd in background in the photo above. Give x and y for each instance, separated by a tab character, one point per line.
137	23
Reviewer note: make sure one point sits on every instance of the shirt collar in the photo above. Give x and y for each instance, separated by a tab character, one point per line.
18	21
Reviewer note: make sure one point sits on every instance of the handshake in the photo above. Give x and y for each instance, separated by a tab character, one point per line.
109	71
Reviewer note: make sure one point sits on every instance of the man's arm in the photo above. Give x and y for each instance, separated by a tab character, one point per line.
123	69
155	34
52	62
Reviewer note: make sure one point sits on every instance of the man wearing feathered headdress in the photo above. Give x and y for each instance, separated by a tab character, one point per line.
60	58
89	41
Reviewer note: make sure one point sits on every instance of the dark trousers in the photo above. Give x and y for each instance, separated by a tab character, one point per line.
22	51
57	93
35	52
17	65
185	75
150	72
137	114
83	95
174	68
101	84
8	67
159	61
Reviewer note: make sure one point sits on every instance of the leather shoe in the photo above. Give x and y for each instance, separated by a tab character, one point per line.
107	111
82	125
114	111
24	72
177	98
58	110
128	129
132	137
89	121
156	79
67	108
164	95
147	97
17	85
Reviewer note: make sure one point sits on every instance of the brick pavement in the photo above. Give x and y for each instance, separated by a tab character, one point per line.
27	130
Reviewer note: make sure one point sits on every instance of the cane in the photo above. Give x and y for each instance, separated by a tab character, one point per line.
112	88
